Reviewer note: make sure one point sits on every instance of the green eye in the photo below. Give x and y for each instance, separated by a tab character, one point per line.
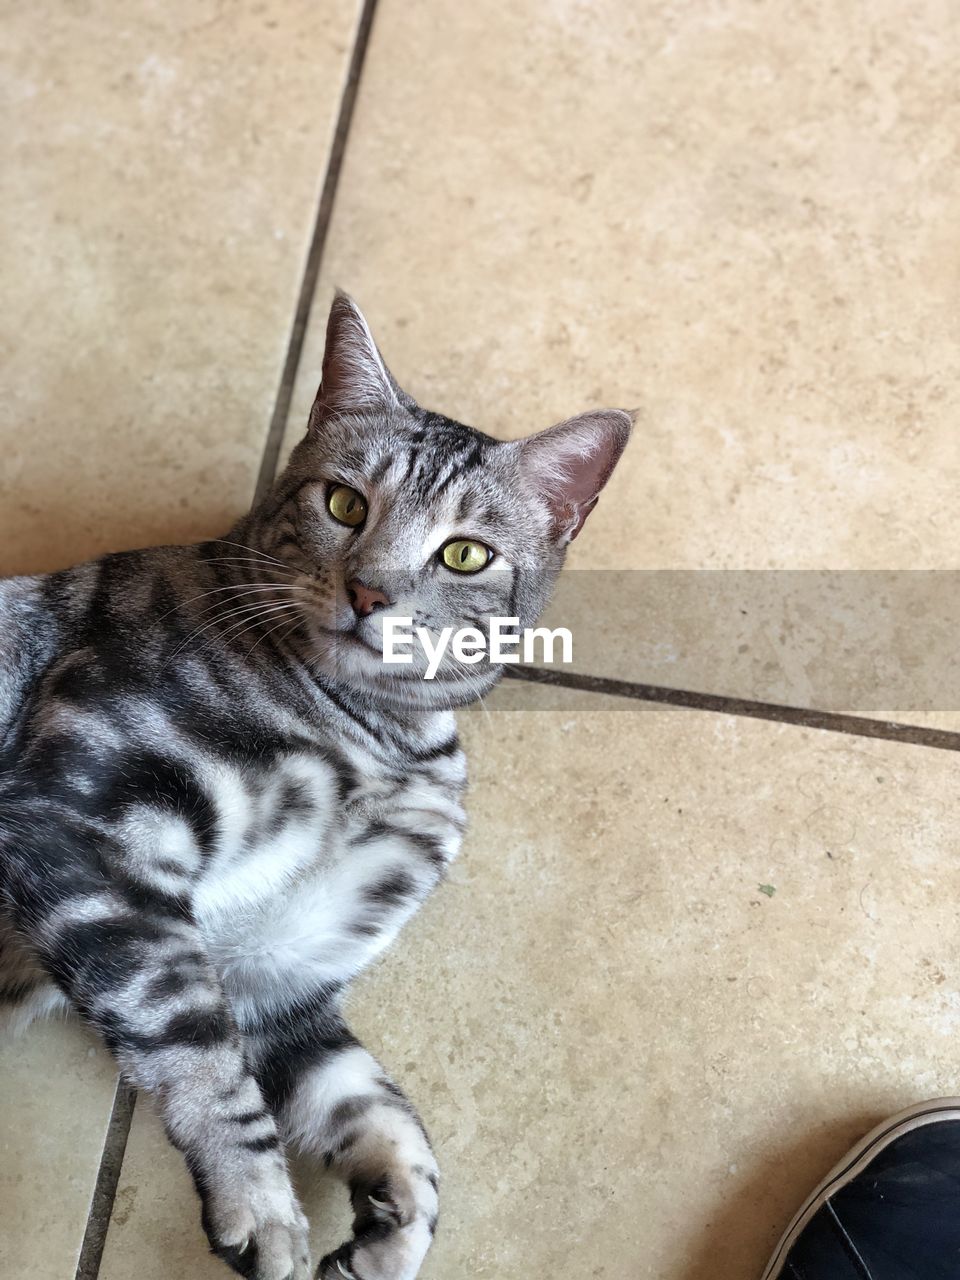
466	556
346	505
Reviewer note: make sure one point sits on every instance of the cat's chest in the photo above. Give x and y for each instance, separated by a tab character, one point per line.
316	868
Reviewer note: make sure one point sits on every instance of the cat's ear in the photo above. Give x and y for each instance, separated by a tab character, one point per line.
355	378
570	463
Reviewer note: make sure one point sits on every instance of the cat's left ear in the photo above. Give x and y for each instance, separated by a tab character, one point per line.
355	378
570	463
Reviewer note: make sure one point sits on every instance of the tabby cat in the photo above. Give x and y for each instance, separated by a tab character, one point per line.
218	803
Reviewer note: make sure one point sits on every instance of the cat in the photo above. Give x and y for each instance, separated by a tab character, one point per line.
218	803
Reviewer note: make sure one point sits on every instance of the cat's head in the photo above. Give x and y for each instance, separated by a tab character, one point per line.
390	510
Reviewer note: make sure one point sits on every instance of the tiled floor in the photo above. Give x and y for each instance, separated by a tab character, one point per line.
633	1062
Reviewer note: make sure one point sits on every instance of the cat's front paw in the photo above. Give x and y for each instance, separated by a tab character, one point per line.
273	1251
260	1234
393	1230
382	1252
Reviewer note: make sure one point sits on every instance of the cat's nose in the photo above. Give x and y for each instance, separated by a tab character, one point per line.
365	599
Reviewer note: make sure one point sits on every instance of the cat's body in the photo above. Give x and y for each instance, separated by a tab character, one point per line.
217	804
271	803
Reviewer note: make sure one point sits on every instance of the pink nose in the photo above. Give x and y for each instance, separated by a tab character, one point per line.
365	599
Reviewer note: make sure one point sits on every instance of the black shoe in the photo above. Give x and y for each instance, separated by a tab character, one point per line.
890	1210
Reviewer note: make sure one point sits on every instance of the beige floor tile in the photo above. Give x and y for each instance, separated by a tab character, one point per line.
161	176
58	1090
868	644
741	224
633	1061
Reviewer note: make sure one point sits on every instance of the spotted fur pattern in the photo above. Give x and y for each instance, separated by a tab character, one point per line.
217	804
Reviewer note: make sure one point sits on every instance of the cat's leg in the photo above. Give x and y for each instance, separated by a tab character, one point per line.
334	1101
138	972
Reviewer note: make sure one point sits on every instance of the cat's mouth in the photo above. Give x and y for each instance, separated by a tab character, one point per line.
351	636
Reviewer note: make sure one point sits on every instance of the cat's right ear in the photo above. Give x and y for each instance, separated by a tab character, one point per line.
355	378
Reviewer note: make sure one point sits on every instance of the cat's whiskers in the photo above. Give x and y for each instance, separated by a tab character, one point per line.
465	678
243	547
482	703
245	588
261	594
250	608
269	633
259	614
259	564
239	629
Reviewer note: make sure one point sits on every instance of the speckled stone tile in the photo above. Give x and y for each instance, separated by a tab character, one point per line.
741	224
633	1059
58	1088
161	170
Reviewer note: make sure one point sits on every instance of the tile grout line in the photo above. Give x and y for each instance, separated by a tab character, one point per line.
108	1177
318	239
831	721
121	1115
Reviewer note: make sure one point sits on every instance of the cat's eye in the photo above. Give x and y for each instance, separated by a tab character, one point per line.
346	505
466	556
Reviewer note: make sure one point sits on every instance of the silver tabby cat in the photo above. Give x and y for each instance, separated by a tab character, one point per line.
218	803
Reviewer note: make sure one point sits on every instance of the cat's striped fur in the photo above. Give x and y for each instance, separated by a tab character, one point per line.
217	804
